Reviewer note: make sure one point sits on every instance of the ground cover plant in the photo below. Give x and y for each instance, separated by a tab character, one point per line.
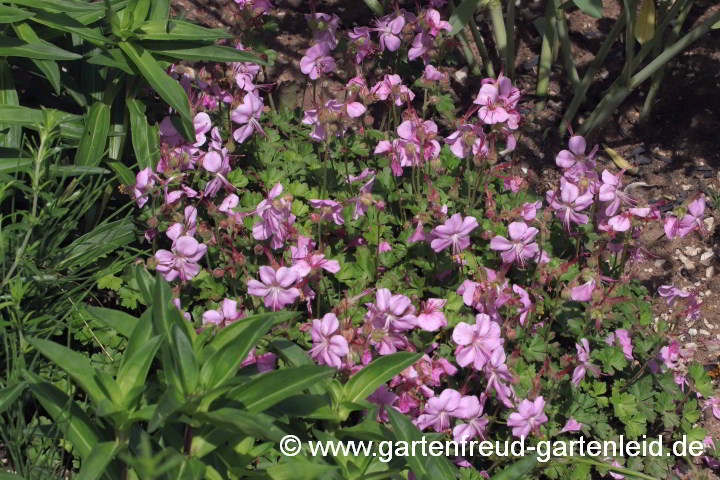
369	268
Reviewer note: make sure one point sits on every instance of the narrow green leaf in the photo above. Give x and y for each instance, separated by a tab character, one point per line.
69	417
90	17
178	30
144	137
160	10
462	14
100	241
12	14
76	171
14	47
11	476
231	332
11	165
118	320
518	469
185	360
167	87
594	8
227	360
170	403
9	394
293	469
146	284
66	23
134	371
295	356
208	53
95	465
364	382
77	366
376	7
270	388
72	6
9	98
257	425
114	58
162	296
124	173
645	22
92	144
49	68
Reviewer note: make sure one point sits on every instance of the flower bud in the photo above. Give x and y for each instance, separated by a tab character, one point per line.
258	249
566	294
218	272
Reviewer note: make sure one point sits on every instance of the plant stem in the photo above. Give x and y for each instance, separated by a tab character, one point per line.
464	46
562	30
629	42
510	32
496	16
545	64
482	49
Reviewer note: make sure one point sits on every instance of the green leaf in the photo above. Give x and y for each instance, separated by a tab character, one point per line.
644	29
114	58
13	137
14	47
68	416
295	356
12	14
295	468
364	382
146	284
72	6
425	468
65	23
207	53
463	13
134	370
91	149
185	359
160	10
95	465
9	394
376	7
227	359
701	379
167	87
518	469
178	30
76	171
257	425
124	173
270	388
118	320
11	476
49	68
144	137
594	8
79	368
100	241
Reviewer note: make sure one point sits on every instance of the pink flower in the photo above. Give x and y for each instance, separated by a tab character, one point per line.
188	226
431	317
475	426
361	42
574	160
144	182
182	260
275	286
228	203
476	342
611	191
330	210
418	235
389	28
389	316
521	247
439	410
623	338
466	139
583	293
529	417
571	425
496	372
690	221
433	74
202	124
384	246
583	356
223	316
616	476
276	215
247	115
454	232
305	261
421	46
391	85
219	164
384	398
714	403
432	17
317	61
530	210
324	27
525	301
264	362
570	203
328	349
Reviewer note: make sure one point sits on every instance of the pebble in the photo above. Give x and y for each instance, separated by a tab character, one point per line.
461	75
709	223
660	263
707	324
692	251
692	331
709	272
685	261
686	187
713	347
706	258
702	331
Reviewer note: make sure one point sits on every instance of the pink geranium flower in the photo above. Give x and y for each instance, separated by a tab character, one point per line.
692	220
583	356
439	410
572	425
520	247
499	377
421	46
324	27
361	42
389	28
574	160
468	138
247	115
384	398
329	210
476	342
391	85
276	215
328	347
188	226
570	203
583	293
181	262
529	417
317	60
431	316
305	261
432	18
144	182
611	191
223	316
275	286
454	232
475	425
433	74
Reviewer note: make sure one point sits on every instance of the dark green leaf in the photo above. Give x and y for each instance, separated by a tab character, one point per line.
92	144
13	137
12	14
207	53
95	465
9	394
364	382
593	8
66	23
185	359
144	137
463	13
14	47
256	425
114	58
101	241
178	30
118	320
49	68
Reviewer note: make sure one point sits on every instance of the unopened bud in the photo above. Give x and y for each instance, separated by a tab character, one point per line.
258	249
218	272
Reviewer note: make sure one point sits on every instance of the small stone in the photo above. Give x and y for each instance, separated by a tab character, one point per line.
706	258
660	262
707	292
691	345
702	331
707	324
686	262
709	272
709	224
714	347
686	187
461	75
692	251
692	331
